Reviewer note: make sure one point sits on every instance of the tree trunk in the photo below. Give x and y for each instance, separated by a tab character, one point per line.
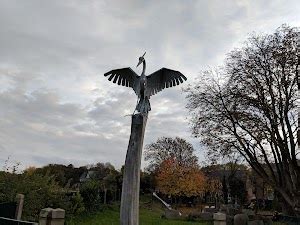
129	214
105	196
290	204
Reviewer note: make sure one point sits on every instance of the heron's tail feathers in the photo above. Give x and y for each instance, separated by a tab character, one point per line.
144	105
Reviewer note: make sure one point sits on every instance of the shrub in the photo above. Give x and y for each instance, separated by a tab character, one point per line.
40	191
90	192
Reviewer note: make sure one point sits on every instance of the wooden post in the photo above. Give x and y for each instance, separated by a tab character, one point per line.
129	214
20	203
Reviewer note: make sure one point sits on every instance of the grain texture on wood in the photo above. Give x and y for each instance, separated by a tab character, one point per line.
129	211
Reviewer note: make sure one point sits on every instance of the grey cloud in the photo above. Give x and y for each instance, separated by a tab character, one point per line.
37	128
56	105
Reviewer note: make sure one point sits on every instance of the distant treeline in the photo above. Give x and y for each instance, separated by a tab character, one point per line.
86	188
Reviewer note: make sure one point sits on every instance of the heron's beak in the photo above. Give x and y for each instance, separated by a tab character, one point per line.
139	63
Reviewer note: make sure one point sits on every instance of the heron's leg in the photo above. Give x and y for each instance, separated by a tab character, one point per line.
133	111
137	101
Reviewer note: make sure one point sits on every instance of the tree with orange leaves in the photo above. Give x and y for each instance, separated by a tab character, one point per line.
175	179
213	186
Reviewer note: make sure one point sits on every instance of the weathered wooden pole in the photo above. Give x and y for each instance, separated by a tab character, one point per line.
144	86
20	203
129	211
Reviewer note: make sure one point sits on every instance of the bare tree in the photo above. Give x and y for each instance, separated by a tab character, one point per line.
252	110
165	148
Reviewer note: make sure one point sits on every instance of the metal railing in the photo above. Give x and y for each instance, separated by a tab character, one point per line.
8	209
7	221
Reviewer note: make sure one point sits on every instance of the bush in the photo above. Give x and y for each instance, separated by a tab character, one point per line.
71	202
40	191
90	192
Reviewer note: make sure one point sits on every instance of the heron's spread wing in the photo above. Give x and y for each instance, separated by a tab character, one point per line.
163	78
125	77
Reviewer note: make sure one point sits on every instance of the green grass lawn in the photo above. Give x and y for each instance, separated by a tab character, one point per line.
110	216
148	216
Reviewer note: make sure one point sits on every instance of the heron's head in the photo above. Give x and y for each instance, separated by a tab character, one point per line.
141	59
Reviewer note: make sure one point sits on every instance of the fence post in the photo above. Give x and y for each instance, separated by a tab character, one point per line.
49	216
19	209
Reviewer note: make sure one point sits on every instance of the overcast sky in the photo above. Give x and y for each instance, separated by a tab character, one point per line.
55	104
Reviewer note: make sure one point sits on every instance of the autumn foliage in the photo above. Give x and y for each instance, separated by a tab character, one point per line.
213	185
175	179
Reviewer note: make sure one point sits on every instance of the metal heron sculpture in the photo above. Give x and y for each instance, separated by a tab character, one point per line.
145	86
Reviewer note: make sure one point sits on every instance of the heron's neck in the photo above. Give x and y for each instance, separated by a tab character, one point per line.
144	67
